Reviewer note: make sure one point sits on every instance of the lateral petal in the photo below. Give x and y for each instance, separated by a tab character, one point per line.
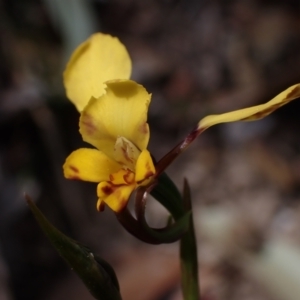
98	59
254	112
89	165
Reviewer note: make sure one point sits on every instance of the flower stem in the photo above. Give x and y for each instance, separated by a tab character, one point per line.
188	255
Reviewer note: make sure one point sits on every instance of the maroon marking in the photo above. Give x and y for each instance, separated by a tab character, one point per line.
193	135
107	190
89	126
124	150
144	128
147	175
295	93
264	112
74	169
164	162
126	177
101	207
190	138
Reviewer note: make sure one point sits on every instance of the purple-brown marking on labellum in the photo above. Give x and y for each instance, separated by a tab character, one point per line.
107	190
128	177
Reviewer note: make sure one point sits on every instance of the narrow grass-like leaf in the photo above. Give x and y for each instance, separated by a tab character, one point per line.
98	276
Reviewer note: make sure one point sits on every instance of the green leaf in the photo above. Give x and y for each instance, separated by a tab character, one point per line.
98	276
188	254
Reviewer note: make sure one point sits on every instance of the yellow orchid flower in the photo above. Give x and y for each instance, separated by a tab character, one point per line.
113	119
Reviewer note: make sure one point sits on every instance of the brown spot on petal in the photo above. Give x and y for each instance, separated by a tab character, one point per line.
87	122
125	154
74	169
107	190
264	113
144	128
295	93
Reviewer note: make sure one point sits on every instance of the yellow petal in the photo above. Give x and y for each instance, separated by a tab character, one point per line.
121	112
122	177
254	112
100	58
116	197
144	167
89	165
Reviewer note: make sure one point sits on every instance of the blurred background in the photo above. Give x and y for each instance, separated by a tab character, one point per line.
196	57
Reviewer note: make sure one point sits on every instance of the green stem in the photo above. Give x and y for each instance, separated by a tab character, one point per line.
188	255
